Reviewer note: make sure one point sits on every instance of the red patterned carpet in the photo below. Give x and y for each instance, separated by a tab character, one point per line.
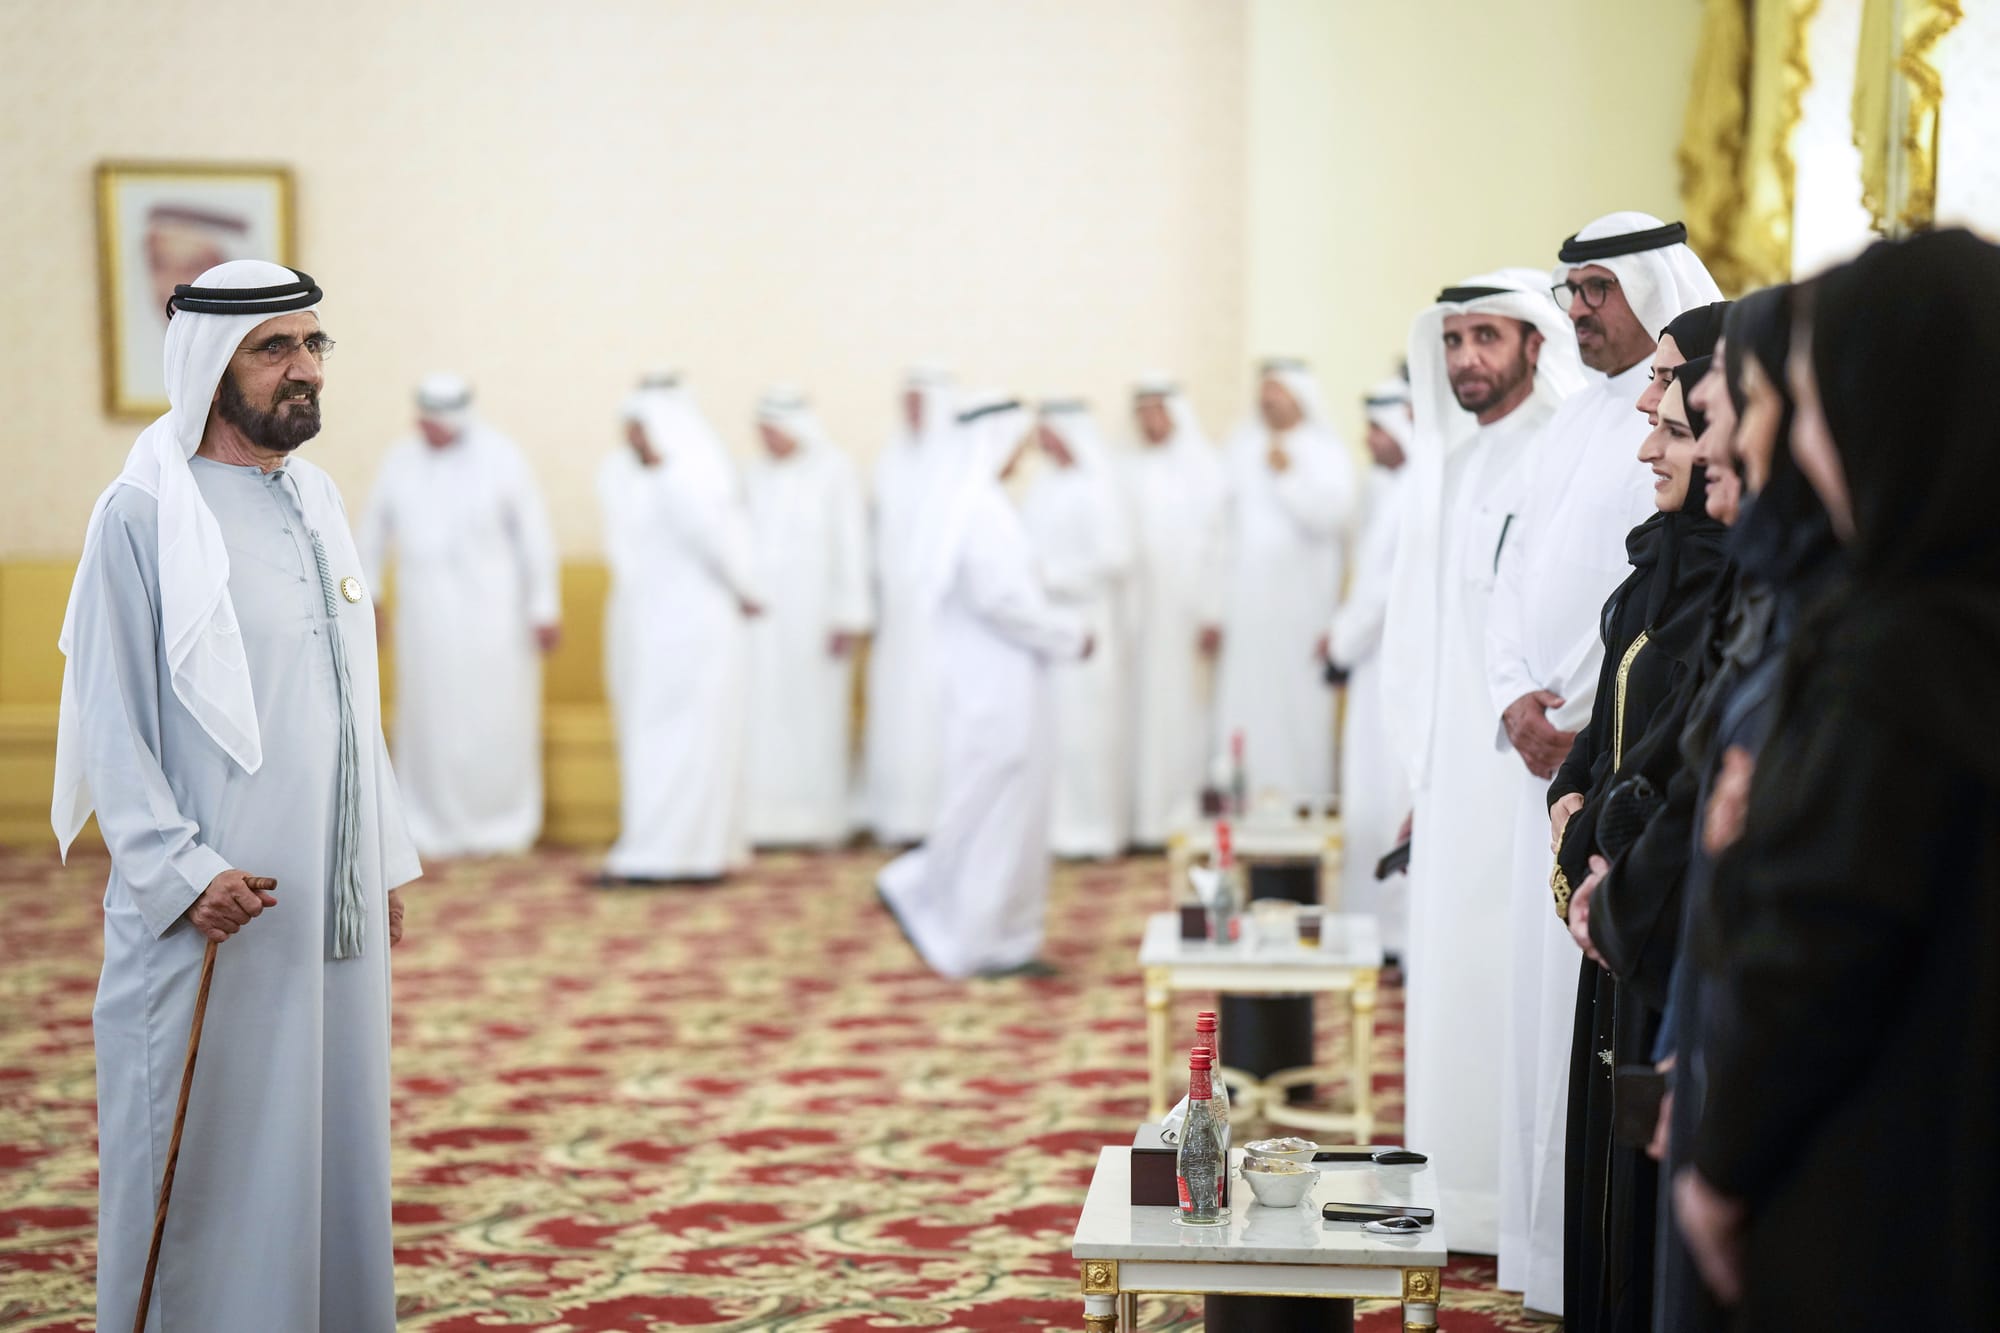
745	1107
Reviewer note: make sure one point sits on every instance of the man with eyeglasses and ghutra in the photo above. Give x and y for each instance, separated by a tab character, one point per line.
1621	280
219	712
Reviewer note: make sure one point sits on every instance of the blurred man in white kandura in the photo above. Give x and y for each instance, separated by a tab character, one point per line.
676	640
901	747
1174	482
811	535
971	899
1291	488
457	510
1490	363
1076	519
1374	790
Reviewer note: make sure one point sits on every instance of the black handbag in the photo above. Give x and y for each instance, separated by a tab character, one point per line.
1628	807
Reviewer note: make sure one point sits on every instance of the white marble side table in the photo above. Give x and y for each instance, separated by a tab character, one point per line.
1347	962
1126	1251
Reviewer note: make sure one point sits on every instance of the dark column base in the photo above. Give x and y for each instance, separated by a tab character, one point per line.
1277	1314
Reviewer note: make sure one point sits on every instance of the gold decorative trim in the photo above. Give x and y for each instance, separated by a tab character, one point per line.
1100	1277
1101	1323
1896	44
1420	1285
1558	881
1618	729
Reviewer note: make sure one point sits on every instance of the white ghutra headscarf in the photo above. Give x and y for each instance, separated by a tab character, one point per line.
198	630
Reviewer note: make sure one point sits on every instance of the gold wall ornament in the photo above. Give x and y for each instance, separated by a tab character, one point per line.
1898	101
1100	1277
1735	159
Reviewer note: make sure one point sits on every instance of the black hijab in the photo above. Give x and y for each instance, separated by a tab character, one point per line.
1677	557
1696	331
1904	342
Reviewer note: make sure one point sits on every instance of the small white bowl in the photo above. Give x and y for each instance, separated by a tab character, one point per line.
1278	1150
1276	1189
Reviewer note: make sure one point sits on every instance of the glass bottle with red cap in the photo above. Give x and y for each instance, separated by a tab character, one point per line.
1201	1163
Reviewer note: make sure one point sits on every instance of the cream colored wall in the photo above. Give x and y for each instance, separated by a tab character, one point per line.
1397	146
550	197
1049	194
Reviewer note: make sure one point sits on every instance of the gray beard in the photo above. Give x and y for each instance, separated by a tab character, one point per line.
267	430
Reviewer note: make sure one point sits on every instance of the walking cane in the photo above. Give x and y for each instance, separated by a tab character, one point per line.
174	1144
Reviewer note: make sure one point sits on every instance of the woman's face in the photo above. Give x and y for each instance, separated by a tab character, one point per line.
1757	431
1669	451
1716	449
1813	444
1665	360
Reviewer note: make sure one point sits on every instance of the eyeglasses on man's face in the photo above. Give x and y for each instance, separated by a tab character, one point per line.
1594	291
277	351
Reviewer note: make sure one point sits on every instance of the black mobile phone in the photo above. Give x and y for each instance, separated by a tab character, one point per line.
1385	1155
1374	1212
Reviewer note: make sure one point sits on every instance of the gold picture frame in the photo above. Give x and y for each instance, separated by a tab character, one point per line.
159	223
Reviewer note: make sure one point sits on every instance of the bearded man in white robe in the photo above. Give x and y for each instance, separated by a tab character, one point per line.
1076	519
219	713
1489	365
1174	481
1291	495
972	898
477	604
676	630
811	534
1374	790
1621	280
901	746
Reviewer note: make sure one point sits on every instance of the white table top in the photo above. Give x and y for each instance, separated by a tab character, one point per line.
1111	1228
1345	942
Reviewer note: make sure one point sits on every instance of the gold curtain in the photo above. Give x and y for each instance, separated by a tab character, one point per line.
1898	38
1751	73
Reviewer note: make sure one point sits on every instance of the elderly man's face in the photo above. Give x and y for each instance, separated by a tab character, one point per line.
270	389
1156	424
776	442
913	409
1281	410
1608	335
437	434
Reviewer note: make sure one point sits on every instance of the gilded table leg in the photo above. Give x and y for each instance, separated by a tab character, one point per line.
1157	995
1362	1002
1100	1296
1420	1300
1178	891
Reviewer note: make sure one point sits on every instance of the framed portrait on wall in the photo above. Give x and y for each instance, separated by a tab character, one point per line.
163	223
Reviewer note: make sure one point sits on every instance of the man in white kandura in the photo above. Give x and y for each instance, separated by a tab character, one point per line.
219	713
901	747
811	535
1374	790
1489	365
1292	492
676	640
1076	519
1174	601
971	899
477	604
1621	280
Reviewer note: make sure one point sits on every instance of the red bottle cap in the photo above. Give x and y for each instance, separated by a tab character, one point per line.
1199	1058
1236	743
1205	1021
